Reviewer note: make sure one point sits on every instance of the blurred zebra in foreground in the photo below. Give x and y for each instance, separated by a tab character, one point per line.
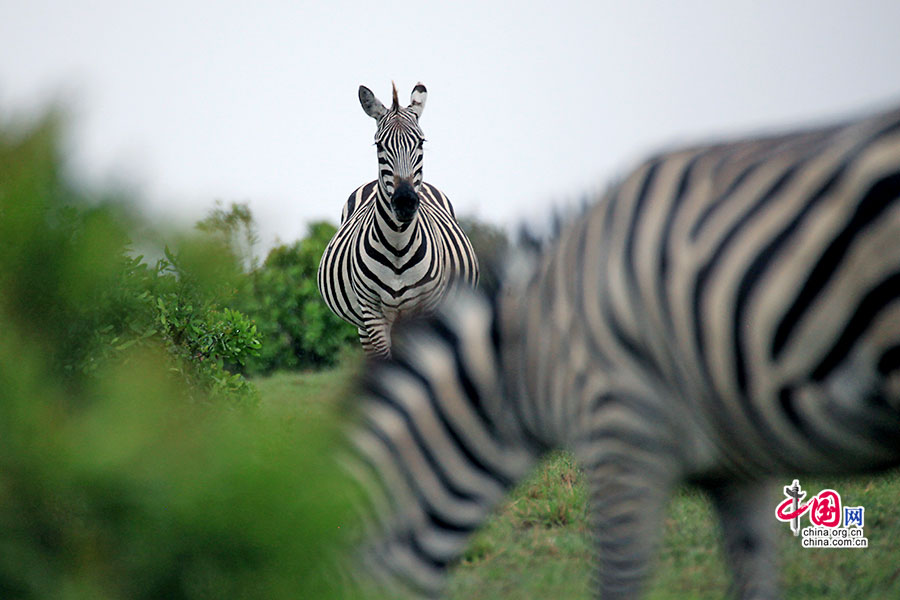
399	248
726	315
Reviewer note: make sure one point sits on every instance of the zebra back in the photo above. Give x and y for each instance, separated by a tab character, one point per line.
726	314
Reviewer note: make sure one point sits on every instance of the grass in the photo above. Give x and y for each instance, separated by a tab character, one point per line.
311	393
538	544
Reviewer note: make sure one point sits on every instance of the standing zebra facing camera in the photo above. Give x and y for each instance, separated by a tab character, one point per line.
725	316
399	249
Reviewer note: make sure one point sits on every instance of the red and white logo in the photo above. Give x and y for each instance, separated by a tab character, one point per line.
830	526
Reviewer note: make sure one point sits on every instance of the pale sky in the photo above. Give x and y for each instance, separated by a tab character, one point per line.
530	103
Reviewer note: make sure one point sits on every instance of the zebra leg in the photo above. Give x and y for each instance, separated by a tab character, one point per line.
375	338
364	340
746	512
628	501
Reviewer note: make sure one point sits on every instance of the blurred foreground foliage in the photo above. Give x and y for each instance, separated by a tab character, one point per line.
133	463
68	276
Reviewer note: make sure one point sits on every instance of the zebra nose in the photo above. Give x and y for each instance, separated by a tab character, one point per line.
405	202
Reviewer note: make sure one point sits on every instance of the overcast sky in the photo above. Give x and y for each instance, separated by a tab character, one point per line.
530	103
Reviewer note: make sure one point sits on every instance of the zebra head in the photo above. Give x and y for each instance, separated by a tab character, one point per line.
399	142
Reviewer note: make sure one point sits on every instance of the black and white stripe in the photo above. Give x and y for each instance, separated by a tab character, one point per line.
399	248
726	315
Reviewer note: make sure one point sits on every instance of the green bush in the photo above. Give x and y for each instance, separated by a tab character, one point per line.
297	328
176	303
132	465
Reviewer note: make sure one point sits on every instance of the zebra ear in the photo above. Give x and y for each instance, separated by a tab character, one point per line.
417	99
372	105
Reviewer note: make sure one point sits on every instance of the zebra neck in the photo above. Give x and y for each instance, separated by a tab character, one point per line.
391	232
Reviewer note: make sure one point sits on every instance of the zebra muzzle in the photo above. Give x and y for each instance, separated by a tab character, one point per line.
405	202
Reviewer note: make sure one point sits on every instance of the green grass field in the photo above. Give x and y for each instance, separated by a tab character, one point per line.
537	545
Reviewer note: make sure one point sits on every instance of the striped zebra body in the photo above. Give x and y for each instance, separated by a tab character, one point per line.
726	315
399	249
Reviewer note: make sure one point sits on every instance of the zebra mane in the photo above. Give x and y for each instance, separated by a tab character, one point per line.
395	103
516	263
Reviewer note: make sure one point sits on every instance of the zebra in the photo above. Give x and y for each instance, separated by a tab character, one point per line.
725	316
399	248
